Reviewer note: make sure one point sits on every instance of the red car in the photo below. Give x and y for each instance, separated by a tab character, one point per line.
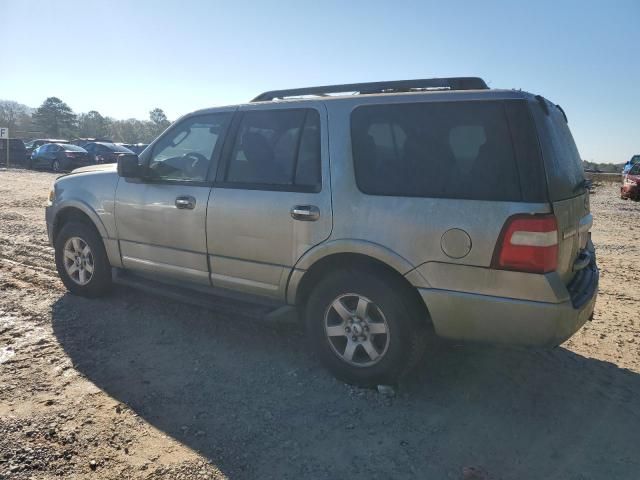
631	184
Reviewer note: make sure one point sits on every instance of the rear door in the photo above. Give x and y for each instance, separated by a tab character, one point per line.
272	200
566	183
45	155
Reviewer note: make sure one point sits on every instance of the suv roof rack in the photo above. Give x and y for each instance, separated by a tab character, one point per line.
451	83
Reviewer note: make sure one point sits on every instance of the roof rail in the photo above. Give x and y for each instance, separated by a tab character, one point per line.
452	83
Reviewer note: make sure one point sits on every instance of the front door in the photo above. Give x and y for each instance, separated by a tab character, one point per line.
161	218
271	201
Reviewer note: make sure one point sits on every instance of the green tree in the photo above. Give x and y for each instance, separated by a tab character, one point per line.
16	117
55	118
159	122
92	125
130	131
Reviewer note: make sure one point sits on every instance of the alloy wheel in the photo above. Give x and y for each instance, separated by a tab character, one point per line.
357	330
78	260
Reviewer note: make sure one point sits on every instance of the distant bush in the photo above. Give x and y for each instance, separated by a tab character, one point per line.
603	167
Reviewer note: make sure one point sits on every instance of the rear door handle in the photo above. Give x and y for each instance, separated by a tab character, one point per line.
186	202
306	213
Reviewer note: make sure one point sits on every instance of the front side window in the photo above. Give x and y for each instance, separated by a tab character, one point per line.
439	149
278	148
187	151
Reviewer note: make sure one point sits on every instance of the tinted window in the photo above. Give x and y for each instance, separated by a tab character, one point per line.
444	149
563	164
73	148
277	147
187	150
119	148
635	170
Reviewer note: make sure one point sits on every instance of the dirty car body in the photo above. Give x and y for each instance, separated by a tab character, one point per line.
467	206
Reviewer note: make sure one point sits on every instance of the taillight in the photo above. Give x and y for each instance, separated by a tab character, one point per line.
69	154
528	243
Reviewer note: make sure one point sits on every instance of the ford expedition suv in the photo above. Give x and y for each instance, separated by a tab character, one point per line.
382	212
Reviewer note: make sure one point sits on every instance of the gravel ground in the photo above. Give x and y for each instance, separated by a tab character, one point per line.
135	386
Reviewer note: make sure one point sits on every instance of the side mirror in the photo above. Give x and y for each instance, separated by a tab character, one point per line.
128	166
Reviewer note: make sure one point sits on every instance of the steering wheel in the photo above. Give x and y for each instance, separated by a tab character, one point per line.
196	159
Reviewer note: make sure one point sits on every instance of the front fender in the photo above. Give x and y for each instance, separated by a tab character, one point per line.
85	208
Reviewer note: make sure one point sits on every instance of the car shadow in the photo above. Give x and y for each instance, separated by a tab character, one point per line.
250	397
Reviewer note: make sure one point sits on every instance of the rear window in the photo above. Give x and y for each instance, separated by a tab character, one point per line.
118	148
73	148
446	149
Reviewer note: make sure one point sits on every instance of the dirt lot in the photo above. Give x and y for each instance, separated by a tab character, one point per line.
134	386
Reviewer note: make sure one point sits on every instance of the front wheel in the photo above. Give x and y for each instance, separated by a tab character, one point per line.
81	260
364	327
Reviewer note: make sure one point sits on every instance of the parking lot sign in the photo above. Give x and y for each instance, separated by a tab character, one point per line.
4	133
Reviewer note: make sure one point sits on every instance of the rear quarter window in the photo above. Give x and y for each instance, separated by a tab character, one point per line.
441	149
563	165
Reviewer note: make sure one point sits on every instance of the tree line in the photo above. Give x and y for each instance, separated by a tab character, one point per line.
55	119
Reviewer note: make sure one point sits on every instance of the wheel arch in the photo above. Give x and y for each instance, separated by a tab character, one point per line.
77	212
368	256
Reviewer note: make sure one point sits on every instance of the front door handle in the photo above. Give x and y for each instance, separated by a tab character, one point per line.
306	213
186	202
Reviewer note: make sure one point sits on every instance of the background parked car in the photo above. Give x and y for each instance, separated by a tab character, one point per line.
631	184
136	148
633	161
16	152
81	142
104	152
59	157
33	144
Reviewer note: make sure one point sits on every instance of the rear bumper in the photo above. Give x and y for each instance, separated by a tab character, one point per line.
491	319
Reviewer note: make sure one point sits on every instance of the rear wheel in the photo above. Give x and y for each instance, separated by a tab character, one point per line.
81	260
55	166
364	327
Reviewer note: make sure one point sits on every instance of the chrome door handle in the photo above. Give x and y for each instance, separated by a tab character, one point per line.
186	203
306	213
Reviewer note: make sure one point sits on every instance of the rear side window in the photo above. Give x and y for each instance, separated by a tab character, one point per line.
277	148
563	165
446	150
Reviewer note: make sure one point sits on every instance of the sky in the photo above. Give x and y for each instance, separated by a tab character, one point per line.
124	58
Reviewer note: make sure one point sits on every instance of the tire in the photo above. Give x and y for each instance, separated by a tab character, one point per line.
95	282
55	166
399	349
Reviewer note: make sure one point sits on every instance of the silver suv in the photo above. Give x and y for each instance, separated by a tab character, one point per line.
382	212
